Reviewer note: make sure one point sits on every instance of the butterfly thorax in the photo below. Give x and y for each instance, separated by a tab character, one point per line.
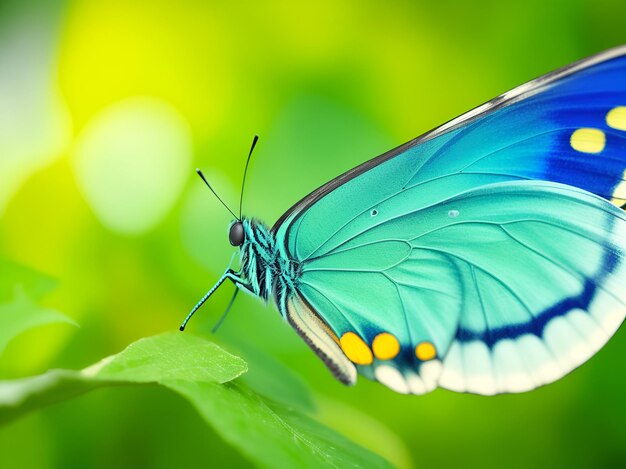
266	269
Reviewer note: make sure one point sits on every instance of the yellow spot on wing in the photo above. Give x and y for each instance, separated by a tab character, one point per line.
425	351
385	346
355	349
588	140
616	118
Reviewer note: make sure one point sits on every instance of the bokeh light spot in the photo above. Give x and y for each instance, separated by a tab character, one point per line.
131	162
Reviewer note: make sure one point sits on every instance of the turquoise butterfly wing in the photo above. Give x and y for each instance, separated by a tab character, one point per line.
486	256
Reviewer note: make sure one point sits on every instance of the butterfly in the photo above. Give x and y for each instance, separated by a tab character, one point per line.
486	256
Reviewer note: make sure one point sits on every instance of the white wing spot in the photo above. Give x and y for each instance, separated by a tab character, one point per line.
392	378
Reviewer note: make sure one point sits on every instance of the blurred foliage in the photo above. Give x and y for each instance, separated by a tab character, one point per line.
22	314
106	108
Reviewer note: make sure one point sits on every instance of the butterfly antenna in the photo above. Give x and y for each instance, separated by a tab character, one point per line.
245	171
215	193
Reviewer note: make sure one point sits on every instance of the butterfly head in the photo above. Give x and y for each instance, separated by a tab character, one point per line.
244	232
236	233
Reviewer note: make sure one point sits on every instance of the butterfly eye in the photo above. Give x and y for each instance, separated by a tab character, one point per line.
236	234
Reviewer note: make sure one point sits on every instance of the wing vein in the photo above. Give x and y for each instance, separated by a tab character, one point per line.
486	272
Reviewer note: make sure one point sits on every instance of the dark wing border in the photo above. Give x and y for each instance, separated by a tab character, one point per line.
506	99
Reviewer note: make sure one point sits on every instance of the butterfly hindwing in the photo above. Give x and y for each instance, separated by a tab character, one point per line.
528	315
453	243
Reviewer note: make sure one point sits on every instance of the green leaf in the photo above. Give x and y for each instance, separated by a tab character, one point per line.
272	434
170	356
268	433
271	378
20	396
23	314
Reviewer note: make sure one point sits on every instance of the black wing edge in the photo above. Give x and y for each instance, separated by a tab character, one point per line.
506	99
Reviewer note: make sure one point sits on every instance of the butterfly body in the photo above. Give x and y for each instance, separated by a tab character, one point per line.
486	256
266	271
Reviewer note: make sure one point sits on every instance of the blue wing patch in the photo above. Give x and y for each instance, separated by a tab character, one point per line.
563	133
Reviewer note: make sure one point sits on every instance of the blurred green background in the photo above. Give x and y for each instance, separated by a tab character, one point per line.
106	107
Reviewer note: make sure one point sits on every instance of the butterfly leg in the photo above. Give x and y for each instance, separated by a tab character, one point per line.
229	274
230	304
